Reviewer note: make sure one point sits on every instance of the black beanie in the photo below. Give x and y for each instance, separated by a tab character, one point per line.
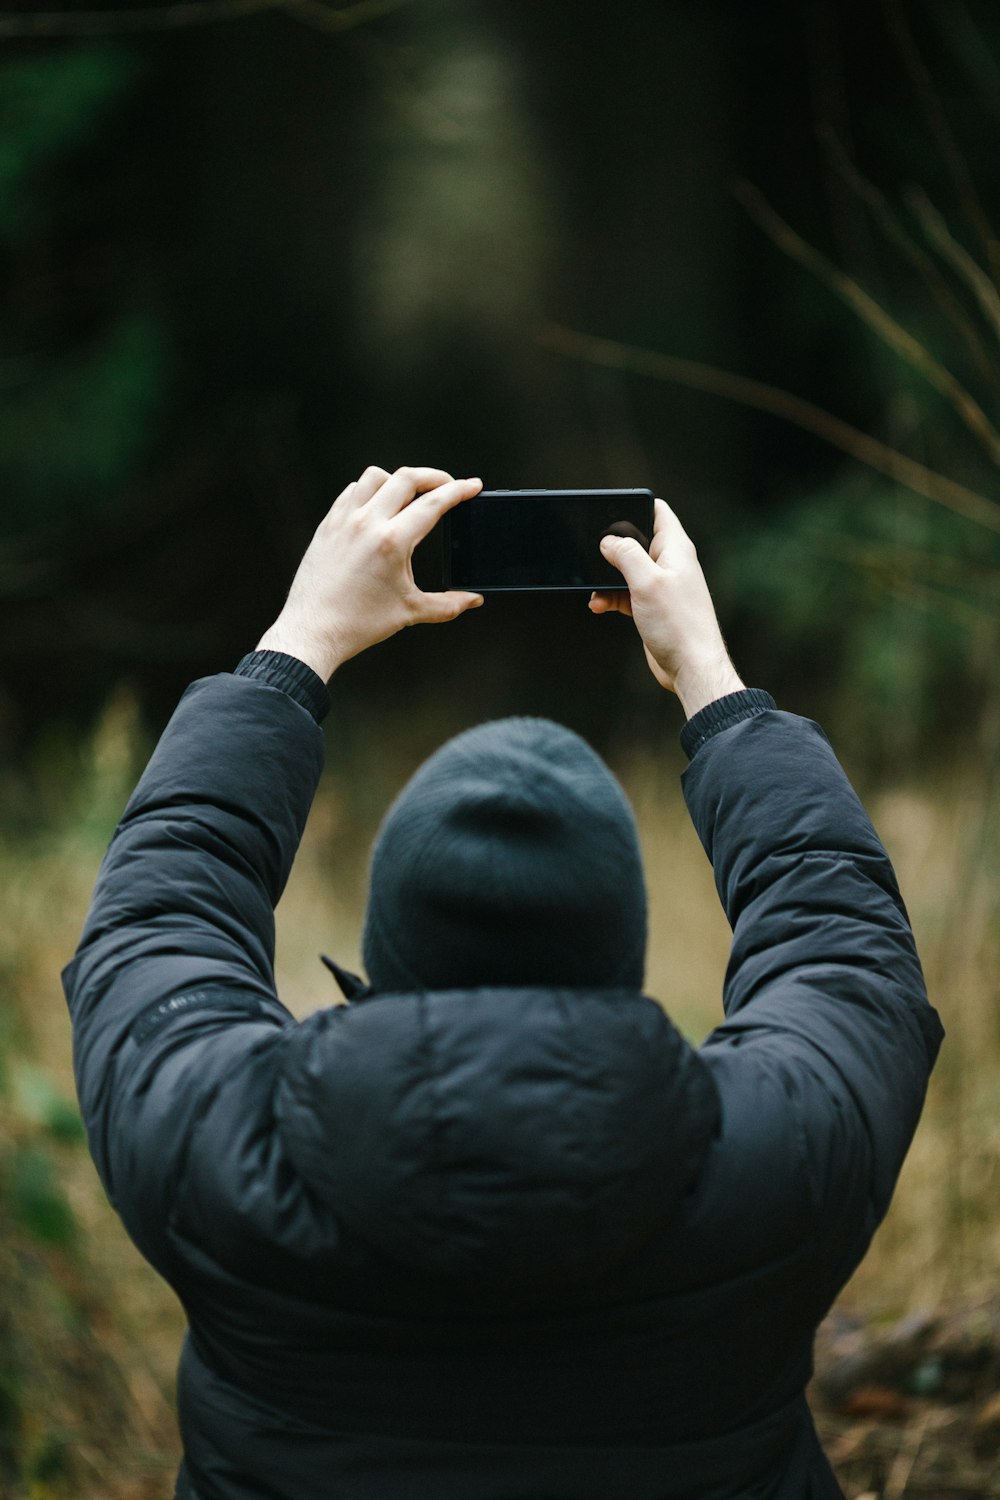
510	858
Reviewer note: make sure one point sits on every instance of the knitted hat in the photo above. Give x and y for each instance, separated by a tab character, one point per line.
510	858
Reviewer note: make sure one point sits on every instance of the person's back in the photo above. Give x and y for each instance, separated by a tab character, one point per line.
494	1229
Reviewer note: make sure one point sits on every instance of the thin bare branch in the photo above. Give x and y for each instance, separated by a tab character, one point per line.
779	403
973	51
934	568
871	312
66	23
926	268
945	243
400	82
965	187
138	19
928	593
326	18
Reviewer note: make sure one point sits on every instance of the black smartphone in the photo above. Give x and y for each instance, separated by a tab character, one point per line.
541	539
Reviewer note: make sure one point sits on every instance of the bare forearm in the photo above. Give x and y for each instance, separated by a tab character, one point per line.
702	683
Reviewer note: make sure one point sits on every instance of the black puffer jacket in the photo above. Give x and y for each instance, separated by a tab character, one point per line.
506	1243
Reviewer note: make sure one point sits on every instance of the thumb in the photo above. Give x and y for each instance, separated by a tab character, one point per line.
435	609
631	559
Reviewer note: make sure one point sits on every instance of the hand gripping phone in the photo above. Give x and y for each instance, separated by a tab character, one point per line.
541	539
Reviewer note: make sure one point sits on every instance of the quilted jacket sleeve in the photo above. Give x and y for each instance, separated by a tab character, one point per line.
824	985
172	990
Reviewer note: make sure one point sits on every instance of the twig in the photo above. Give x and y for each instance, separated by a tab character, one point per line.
973	51
779	403
905	1461
938	120
395	78
65	23
922	263
929	593
325	18
150	1406
57	23
22	575
957	256
941	571
871	312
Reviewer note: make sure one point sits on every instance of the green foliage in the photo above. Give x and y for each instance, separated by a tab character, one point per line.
53	1461
886	595
36	1201
65	1391
896	586
82	386
51	105
72	438
40	1104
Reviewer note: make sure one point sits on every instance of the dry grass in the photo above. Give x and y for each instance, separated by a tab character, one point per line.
942	1237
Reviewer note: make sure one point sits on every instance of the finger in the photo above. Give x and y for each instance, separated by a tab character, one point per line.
404	486
425	512
362	489
610	601
632	561
436	609
668	533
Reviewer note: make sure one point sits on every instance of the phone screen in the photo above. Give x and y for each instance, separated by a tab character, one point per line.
541	539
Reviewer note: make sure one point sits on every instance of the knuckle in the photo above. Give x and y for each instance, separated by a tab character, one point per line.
406	472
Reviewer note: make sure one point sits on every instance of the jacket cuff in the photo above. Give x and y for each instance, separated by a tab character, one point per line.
723	714
289	675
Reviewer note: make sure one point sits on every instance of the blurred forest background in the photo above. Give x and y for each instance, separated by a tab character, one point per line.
744	254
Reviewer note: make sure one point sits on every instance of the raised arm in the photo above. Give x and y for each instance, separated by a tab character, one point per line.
824	989
171	991
823	978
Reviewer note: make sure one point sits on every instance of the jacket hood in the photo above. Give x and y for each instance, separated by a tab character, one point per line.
529	1140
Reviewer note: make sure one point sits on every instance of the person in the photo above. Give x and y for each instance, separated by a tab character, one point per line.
494	1229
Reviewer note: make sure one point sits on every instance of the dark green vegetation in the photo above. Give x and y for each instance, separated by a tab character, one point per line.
743	254
243	258
81	1412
